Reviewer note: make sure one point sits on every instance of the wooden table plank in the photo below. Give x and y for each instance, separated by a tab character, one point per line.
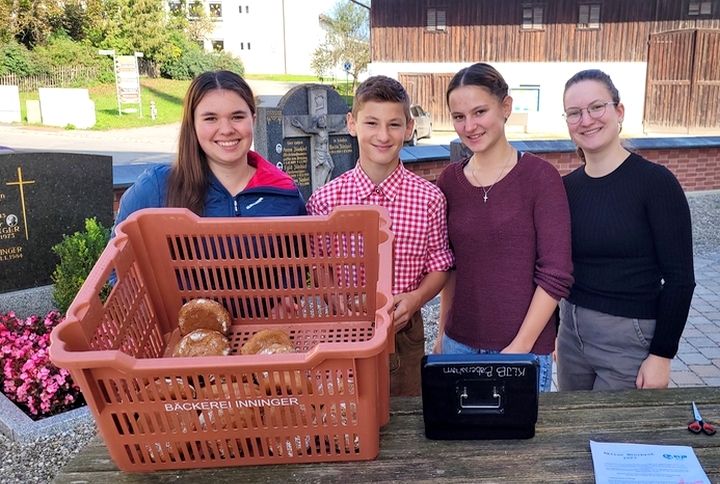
559	452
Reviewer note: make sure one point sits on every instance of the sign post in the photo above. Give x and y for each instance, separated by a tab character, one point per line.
347	66
127	80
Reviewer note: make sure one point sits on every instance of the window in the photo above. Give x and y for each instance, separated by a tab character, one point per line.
240	9
247	8
696	9
242	45
218	45
436	19
248	45
589	16
195	10
526	98
533	17
216	10
175	7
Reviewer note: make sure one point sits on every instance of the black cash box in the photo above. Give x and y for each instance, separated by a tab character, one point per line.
489	396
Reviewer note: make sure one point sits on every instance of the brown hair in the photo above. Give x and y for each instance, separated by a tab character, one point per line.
598	76
480	75
381	89
190	174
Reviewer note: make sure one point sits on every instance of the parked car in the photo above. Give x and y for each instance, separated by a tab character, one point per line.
423	124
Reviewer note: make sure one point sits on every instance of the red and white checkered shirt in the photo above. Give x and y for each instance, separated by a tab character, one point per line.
418	215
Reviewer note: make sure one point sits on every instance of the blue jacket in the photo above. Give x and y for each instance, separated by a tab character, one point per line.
275	195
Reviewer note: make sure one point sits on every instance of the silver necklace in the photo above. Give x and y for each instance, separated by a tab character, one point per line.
485	192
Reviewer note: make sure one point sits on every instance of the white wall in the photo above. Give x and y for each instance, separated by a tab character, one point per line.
282	34
628	77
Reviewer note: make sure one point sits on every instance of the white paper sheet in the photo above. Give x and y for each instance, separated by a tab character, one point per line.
646	464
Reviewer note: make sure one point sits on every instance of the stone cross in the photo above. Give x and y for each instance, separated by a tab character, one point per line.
305	134
318	124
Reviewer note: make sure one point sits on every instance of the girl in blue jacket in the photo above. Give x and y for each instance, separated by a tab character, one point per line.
215	174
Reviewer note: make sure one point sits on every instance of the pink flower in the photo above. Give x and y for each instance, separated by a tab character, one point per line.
28	376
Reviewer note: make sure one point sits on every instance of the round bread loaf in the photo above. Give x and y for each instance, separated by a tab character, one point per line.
276	348
203	314
266	338
202	342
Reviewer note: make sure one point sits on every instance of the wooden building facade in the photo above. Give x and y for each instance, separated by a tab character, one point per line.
675	42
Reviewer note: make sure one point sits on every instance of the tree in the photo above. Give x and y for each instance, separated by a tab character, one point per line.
30	22
6	26
347	40
128	26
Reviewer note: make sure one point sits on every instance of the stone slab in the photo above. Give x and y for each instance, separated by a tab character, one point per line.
28	302
66	106
32	109
10	104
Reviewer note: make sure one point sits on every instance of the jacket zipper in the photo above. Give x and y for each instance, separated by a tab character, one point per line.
237	212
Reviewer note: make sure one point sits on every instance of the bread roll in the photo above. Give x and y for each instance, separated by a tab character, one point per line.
203	314
266	338
202	342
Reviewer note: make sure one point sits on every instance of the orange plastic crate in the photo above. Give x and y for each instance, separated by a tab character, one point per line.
324	403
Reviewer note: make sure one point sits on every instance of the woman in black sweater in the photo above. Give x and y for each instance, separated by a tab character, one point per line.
632	253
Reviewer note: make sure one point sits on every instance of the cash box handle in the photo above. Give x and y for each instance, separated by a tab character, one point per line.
464	395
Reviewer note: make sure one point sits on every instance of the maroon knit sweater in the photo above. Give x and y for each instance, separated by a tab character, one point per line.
504	248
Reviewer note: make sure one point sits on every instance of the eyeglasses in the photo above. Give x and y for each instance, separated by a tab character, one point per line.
594	110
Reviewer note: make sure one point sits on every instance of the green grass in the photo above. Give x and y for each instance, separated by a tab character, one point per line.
167	94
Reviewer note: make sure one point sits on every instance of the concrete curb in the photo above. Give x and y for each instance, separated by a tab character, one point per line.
14	424
25	303
18	427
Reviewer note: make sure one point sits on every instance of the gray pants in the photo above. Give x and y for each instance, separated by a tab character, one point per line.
598	351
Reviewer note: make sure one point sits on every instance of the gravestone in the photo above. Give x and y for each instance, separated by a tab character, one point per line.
306	136
44	196
9	104
32	109
458	151
64	106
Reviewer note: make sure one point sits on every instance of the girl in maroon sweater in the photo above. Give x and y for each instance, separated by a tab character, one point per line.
509	226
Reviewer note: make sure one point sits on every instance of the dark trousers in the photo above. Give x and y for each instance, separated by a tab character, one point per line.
405	362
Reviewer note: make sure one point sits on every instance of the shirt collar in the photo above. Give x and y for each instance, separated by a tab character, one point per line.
390	187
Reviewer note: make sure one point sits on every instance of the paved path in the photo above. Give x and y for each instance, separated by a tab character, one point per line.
698	359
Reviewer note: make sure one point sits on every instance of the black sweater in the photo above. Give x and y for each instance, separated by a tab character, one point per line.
632	247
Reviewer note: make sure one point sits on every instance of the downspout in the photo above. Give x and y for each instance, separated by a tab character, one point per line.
284	39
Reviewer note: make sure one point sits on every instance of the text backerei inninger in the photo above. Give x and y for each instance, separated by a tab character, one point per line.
227	404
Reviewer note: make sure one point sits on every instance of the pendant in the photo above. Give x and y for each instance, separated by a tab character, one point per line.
485	198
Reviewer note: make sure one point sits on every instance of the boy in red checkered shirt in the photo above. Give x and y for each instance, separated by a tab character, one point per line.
381	121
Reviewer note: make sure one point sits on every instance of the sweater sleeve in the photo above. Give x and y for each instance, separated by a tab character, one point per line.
146	192
669	217
439	257
553	267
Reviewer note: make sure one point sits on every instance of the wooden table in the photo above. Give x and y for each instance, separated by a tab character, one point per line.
559	452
